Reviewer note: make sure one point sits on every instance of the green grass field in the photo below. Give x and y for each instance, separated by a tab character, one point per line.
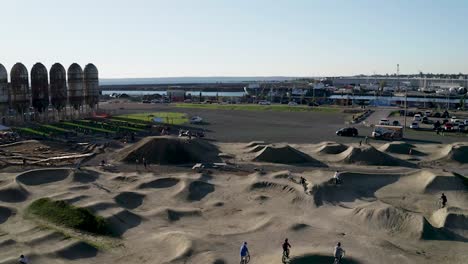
255	107
63	214
167	117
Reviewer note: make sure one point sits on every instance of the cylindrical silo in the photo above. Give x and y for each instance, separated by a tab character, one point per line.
75	86
58	86
91	85
4	98
19	88
39	87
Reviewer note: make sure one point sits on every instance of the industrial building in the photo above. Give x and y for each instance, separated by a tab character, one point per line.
43	96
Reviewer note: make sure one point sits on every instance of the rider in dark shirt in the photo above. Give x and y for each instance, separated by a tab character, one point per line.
443	198
286	247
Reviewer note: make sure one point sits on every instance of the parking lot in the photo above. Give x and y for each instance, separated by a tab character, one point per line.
291	127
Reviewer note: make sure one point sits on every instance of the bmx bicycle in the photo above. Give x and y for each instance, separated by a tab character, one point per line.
339	260
245	260
285	258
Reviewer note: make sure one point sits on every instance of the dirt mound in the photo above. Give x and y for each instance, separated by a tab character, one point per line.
175	245
122	221
170	150
457	152
285	155
197	190
315	258
5	213
331	148
85	176
426	181
159	183
451	217
380	216
400	147
255	143
78	250
129	200
255	148
43	176
265	185
177	214
368	155
13	193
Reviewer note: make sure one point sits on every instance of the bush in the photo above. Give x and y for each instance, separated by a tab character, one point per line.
61	213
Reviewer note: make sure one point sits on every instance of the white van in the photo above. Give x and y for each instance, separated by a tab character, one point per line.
417	117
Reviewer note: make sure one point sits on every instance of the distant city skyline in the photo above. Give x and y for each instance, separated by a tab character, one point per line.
183	38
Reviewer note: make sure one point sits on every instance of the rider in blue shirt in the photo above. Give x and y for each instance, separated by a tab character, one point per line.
244	251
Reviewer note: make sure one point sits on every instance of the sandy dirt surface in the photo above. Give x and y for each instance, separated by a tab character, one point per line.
385	211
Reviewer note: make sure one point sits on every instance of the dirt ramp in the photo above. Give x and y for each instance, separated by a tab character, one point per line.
44	176
129	200
368	155
285	154
256	148
331	148
5	214
452	217
380	216
159	183
78	250
13	193
317	258
123	220
457	152
177	214
198	190
255	143
400	147
170	150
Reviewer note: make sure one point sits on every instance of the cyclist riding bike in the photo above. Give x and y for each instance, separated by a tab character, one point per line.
338	253
286	247
244	253
443	200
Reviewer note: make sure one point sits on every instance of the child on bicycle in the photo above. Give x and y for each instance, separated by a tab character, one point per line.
339	253
244	252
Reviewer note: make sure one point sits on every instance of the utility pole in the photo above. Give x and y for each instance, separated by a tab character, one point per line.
406	96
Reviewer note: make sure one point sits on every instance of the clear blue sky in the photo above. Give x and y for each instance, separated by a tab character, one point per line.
144	38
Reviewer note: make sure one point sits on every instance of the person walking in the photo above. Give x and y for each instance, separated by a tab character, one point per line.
338	253
145	163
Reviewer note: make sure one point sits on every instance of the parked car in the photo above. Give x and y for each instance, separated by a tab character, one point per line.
427	113
396	123
292	103
384	122
264	102
448	127
461	128
437	114
465	122
146	101
453	119
196	120
417	117
187	101
414	125
347	132
425	120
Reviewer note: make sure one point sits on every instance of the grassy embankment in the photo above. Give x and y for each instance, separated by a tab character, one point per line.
166	117
63	214
254	107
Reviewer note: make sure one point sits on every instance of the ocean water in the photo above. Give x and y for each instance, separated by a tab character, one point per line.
193	93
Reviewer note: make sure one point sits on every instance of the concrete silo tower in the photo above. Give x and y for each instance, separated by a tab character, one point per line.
91	85
4	94
19	88
58	86
39	87
75	86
